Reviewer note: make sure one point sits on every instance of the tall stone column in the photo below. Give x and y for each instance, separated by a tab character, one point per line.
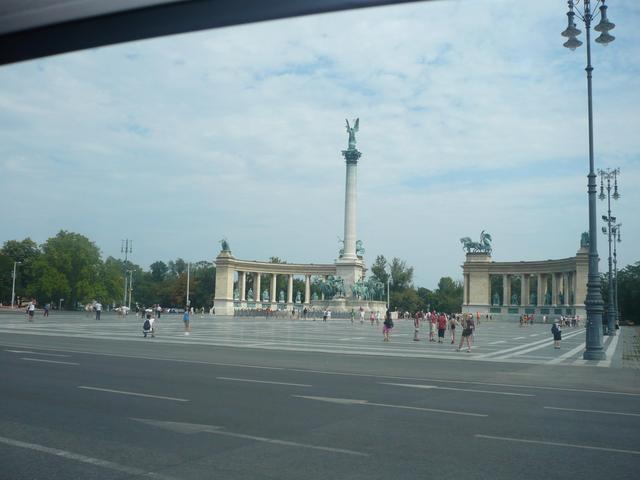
505	290
509	289
307	289
348	266
350	202
256	287
242	280
524	289
554	289
273	287
290	289
565	290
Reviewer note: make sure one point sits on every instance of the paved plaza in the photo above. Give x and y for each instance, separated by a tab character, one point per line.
255	398
493	341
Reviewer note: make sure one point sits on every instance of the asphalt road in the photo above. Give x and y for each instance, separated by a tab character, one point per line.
108	409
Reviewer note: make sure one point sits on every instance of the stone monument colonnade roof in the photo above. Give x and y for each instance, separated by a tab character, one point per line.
483	262
278	268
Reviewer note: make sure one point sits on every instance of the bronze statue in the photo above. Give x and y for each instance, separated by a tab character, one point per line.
352	133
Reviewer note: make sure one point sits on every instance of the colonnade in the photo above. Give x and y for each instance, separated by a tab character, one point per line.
551	289
256	287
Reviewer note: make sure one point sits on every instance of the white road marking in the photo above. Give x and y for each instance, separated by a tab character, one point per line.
435	387
519	338
558	444
47	361
568	354
604	412
84	459
37	353
195	428
498	342
263	381
135	394
534	335
349	401
536	346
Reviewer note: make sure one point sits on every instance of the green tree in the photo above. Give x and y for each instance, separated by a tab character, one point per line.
448	296
72	258
405	300
629	292
401	275
159	271
26	252
178	267
379	269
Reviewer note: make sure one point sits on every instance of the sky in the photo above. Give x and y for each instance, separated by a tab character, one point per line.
473	117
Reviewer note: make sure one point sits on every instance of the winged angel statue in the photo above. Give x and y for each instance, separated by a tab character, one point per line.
352	133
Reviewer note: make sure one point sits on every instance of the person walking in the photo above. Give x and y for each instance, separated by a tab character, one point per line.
416	326
187	321
452	329
467	331
31	309
361	315
387	326
433	327
442	326
557	334
46	310
98	309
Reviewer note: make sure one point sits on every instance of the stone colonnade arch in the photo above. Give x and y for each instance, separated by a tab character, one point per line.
560	286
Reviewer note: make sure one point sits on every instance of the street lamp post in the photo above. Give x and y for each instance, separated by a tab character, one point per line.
188	300
130	286
616	233
126	247
13	288
593	302
607	175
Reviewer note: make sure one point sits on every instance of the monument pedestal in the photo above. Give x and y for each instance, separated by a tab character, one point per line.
351	271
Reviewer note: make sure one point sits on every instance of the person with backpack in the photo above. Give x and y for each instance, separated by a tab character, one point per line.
147	326
557	334
387	326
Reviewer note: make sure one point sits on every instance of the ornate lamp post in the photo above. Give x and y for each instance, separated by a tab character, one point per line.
616	233
607	175
593	302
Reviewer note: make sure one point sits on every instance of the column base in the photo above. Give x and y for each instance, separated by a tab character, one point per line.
223	307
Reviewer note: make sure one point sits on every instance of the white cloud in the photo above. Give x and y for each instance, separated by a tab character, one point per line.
472	116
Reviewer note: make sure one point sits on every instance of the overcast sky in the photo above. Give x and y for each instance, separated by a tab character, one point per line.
472	116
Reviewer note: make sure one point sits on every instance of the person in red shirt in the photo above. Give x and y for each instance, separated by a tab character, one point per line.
442	326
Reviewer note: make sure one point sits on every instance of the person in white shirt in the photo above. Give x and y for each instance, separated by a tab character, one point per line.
98	309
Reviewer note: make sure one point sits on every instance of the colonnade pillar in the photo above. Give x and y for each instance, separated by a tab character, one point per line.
290	289
554	289
242	280
524	289
307	289
540	290
256	287
274	277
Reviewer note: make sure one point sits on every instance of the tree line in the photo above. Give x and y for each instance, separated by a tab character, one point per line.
68	270
69	266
